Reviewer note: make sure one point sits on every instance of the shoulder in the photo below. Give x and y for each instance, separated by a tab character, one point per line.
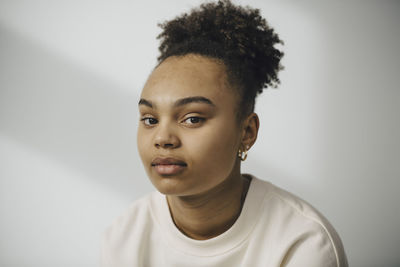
132	215
122	241
305	230
132	222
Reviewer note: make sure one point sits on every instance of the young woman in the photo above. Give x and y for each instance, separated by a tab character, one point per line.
197	125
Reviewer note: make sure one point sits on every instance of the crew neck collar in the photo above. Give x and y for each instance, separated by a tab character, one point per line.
228	240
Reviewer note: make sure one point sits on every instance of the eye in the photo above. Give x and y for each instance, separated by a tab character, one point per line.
193	120
148	121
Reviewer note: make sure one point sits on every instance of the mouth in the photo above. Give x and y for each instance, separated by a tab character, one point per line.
168	166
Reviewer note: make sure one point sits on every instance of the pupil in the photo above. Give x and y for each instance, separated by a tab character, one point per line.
194	120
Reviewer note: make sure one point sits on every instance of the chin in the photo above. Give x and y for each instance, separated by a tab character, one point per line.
175	186
168	185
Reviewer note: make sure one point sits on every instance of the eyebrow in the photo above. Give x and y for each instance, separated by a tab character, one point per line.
181	102
145	103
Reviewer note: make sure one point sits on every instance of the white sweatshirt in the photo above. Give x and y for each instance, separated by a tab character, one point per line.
275	228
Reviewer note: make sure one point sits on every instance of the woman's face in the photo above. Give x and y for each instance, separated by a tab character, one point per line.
188	136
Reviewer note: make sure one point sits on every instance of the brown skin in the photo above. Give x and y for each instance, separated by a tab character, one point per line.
205	196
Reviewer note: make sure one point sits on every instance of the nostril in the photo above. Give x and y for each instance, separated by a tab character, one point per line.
166	140
168	145
165	145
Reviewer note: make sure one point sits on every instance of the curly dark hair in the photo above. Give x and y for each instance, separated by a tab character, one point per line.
238	36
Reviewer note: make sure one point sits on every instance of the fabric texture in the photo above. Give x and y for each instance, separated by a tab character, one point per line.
274	229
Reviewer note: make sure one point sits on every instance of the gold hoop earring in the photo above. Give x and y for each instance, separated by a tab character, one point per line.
242	154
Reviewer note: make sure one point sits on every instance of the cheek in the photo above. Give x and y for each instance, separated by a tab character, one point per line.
214	149
143	144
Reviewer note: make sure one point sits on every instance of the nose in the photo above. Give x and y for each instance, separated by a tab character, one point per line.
165	137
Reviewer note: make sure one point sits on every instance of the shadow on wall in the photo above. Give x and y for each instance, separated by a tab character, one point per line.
67	113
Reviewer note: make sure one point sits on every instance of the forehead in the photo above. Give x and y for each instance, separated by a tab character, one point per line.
190	75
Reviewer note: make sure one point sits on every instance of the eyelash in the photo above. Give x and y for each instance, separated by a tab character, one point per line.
200	120
149	120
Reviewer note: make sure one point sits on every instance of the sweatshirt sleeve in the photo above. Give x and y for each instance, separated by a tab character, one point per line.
105	260
318	248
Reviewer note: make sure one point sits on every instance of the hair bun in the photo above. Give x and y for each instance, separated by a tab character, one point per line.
237	35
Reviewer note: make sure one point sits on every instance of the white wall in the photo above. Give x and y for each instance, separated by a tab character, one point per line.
70	76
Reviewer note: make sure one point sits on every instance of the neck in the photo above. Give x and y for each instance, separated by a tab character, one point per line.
211	213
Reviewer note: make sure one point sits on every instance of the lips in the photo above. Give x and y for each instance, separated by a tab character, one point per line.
168	166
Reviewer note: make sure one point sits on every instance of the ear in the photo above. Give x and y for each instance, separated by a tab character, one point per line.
250	131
